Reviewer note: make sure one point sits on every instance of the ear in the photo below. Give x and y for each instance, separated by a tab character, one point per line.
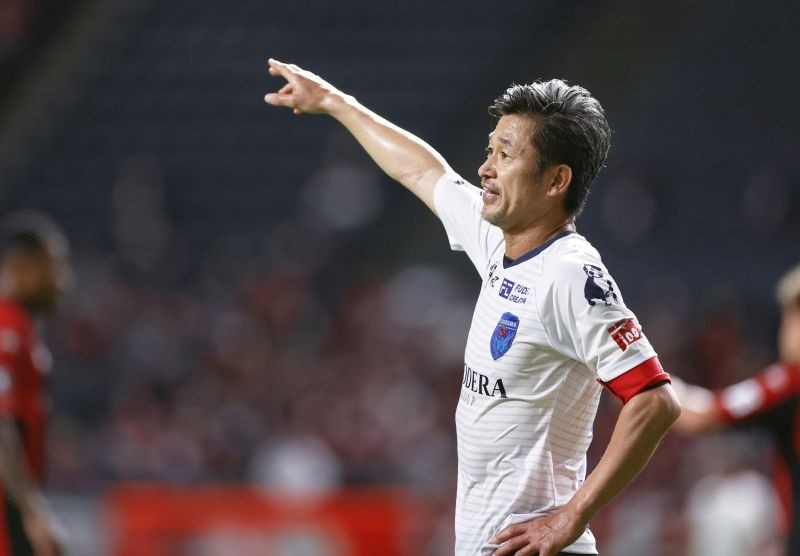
560	178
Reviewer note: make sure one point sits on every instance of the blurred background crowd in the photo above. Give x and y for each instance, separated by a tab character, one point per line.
256	303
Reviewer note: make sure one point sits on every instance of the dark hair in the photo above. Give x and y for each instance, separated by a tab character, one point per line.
571	128
30	232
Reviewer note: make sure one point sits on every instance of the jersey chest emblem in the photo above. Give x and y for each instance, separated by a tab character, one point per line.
503	335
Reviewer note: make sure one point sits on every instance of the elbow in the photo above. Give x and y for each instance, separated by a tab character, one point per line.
669	408
660	407
674	410
417	179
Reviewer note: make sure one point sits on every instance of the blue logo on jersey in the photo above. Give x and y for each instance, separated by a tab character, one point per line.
503	335
506	288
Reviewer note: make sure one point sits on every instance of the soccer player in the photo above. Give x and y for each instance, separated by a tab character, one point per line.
549	321
33	273
769	401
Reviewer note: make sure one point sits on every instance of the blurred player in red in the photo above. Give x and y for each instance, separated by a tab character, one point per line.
34	271
769	401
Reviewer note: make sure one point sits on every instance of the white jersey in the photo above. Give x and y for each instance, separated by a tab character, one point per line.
546	327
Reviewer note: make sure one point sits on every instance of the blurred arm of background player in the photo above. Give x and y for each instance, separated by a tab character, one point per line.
705	411
20	487
404	157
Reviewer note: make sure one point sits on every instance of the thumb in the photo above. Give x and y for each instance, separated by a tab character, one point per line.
277	99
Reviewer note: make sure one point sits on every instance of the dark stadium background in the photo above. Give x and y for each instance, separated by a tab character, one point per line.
257	305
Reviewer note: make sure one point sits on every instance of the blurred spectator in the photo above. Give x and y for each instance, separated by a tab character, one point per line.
732	509
16	17
297	465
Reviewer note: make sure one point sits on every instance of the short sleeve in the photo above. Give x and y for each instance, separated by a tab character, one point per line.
593	325
751	398
458	205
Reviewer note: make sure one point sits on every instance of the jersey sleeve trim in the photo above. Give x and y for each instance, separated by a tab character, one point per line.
768	389
642	377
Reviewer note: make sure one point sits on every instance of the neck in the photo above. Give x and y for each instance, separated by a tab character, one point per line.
519	243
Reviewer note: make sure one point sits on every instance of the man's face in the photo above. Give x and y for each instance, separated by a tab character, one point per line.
43	277
789	335
514	192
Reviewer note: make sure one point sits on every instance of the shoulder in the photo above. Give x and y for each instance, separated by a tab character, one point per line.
570	250
571	261
13	314
577	276
15	326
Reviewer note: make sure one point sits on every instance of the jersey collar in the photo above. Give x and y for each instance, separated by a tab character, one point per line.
508	262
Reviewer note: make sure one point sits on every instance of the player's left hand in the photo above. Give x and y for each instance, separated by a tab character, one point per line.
545	536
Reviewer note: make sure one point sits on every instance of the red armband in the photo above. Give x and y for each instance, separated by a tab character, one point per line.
642	377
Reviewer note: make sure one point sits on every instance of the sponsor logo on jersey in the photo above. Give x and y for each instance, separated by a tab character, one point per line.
482	384
505	288
625	332
598	287
503	335
516	293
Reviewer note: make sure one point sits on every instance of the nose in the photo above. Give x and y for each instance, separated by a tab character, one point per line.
487	170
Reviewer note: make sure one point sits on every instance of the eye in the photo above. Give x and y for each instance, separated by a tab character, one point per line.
489	151
503	155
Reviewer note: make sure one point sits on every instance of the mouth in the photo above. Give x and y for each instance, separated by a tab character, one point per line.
490	192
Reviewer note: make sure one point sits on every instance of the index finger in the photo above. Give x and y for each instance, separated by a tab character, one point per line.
509	532
279	68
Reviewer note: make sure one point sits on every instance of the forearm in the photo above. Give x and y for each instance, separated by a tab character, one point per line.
642	424
403	156
400	154
15	479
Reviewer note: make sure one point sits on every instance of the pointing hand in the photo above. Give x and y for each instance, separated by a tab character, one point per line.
303	91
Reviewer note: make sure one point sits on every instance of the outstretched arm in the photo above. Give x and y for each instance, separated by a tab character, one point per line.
403	156
700	413
642	423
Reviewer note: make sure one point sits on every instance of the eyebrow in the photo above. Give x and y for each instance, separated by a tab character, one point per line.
503	140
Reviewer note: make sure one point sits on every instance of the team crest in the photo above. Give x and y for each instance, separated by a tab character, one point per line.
595	289
503	335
